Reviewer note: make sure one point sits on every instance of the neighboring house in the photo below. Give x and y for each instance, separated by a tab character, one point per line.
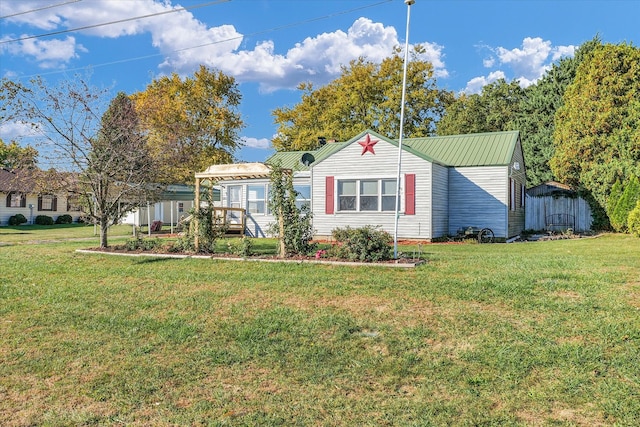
174	203
553	206
446	183
22	192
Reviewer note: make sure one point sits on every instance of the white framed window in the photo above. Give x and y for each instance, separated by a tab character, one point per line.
256	201
388	194
303	196
512	194
234	196
347	194
367	195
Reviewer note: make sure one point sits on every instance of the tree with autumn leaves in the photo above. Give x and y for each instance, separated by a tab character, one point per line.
191	122
366	96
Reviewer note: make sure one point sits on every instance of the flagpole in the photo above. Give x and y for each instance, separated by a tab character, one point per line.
404	90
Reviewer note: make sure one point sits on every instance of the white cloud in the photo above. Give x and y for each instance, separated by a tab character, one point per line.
526	64
488	62
531	61
52	53
186	42
262	143
317	59
10	131
476	84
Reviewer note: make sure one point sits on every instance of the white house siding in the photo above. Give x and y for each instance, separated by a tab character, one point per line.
30	214
478	197
350	163
165	211
440	202
257	224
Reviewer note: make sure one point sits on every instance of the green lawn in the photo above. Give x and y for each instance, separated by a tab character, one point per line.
544	333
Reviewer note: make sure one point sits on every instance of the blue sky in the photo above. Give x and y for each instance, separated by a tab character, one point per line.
270	46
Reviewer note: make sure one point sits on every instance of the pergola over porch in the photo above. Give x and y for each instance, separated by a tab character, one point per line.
227	172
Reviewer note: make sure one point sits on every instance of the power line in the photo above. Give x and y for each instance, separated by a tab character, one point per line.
269	30
87	27
39	9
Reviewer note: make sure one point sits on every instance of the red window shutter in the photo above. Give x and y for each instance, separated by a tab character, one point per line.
410	194
39	203
328	201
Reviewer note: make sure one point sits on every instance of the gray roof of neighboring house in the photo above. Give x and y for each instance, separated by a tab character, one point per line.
480	149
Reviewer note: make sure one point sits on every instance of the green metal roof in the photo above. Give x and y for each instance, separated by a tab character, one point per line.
479	149
293	159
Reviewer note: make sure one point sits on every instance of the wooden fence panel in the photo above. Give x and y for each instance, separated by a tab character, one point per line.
537	209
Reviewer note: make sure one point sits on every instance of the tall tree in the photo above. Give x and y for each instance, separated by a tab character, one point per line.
105	150
192	123
366	95
13	156
536	116
597	134
120	172
493	110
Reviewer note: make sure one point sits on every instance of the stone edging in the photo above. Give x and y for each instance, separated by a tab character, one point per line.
295	261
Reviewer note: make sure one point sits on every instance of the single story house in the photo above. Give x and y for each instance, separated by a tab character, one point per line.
25	192
446	183
174	203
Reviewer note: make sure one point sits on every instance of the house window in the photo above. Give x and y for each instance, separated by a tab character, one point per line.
256	202
303	196
16	200
47	202
522	195
389	194
512	194
347	195
368	195
73	204
371	195
235	196
180	207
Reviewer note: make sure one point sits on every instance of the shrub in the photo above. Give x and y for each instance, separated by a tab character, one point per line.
44	220
209	229
634	220
625	204
17	219
366	243
64	219
140	243
243	247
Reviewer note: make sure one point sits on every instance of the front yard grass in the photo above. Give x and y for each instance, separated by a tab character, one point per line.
544	333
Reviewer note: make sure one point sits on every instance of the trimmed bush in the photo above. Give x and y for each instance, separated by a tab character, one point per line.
634	220
64	219
366	243
17	219
44	220
625	204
